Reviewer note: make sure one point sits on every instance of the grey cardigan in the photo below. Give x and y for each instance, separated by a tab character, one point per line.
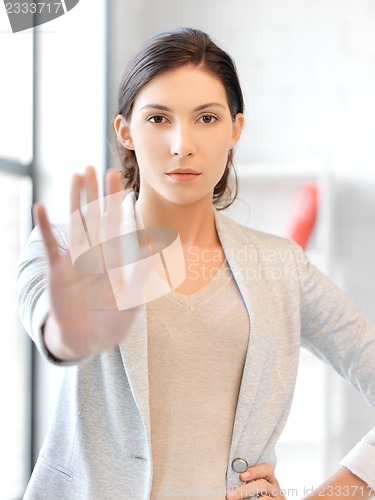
98	444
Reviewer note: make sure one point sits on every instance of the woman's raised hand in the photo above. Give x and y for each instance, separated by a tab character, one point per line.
84	319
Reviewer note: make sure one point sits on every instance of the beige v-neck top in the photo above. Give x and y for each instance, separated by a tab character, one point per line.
197	347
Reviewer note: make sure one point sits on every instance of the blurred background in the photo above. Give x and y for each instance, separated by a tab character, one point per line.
307	69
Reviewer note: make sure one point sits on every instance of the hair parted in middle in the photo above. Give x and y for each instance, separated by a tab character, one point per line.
164	52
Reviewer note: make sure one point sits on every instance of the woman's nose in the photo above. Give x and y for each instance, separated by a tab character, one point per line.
182	142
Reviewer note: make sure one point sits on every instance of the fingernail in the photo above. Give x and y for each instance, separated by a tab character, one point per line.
246	475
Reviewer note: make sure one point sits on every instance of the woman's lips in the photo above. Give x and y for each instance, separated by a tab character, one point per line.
183	174
183	177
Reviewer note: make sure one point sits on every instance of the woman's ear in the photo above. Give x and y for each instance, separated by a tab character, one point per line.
122	130
238	125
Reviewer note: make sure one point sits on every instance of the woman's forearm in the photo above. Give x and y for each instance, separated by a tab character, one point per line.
342	484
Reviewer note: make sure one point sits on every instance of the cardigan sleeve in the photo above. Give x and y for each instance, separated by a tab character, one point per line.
32	289
338	332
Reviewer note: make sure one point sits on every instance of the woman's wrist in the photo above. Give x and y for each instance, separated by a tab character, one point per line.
51	334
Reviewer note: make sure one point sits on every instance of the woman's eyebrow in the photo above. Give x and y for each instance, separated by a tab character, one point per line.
199	108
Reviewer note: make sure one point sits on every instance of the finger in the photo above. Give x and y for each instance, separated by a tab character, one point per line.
114	201
92	216
114	182
50	243
111	222
241	491
77	234
259	488
75	193
259	471
91	184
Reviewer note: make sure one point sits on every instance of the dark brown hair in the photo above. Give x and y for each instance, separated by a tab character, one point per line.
164	52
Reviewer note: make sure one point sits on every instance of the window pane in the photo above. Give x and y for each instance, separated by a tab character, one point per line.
16	92
15	202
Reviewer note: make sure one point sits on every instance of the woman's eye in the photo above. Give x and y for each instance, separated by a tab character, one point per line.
208	118
156	119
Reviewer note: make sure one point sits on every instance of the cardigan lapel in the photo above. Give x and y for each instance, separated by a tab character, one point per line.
243	258
134	347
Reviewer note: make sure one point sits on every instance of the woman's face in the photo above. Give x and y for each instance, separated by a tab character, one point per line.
181	120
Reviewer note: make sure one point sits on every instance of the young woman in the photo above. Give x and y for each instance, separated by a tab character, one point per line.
187	394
